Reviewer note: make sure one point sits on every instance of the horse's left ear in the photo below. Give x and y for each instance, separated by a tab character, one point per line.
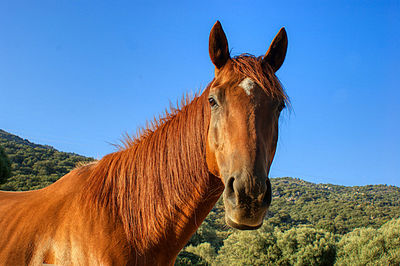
277	51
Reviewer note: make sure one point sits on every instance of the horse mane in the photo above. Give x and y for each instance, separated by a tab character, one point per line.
147	181
154	174
143	132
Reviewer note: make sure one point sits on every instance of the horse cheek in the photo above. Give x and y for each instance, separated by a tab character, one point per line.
212	161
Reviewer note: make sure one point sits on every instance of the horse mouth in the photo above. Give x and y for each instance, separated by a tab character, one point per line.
241	226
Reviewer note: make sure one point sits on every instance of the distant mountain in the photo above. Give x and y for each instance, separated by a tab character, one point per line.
339	209
35	166
5	136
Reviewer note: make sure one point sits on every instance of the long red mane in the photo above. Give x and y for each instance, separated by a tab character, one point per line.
147	181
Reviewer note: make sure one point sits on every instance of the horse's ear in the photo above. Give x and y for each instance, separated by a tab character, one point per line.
277	51
218	46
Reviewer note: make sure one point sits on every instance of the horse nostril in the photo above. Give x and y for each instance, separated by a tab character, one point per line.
267	197
230	191
230	184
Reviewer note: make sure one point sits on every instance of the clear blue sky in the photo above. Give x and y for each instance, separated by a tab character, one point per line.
78	74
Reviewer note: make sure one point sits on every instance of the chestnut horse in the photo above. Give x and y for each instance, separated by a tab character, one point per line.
141	204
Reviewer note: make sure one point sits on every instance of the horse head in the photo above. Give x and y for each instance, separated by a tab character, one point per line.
245	101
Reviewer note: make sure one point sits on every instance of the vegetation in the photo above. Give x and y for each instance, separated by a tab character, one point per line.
301	245
371	246
5	166
34	166
308	224
269	246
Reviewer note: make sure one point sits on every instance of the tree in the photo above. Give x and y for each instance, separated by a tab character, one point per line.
5	166
250	248
305	245
205	251
301	245
187	258
369	246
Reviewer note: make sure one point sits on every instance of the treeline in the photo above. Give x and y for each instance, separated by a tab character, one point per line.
317	224
5	166
300	245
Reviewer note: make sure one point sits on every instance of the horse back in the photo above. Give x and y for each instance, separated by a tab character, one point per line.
28	222
55	225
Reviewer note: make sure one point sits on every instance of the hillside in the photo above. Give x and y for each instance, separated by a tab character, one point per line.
35	166
298	207
338	209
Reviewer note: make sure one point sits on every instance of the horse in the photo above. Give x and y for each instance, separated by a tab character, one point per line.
141	204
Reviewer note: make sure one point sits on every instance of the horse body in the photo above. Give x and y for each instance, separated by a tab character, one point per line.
52	226
141	204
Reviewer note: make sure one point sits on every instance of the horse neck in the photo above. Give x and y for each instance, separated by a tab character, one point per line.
161	183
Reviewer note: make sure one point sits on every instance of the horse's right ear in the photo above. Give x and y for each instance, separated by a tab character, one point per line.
218	46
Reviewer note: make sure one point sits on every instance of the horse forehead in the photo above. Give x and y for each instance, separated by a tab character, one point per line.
247	85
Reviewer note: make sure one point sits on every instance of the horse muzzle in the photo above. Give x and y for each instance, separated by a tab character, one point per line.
246	201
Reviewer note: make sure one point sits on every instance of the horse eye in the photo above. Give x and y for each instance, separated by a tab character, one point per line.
212	102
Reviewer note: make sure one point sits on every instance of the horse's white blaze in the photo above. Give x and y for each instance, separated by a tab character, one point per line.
247	84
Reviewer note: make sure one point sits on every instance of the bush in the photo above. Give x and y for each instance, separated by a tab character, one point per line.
249	248
369	246
188	258
297	246
306	246
205	251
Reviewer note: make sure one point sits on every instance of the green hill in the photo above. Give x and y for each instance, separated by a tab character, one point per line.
321	220
338	209
35	166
